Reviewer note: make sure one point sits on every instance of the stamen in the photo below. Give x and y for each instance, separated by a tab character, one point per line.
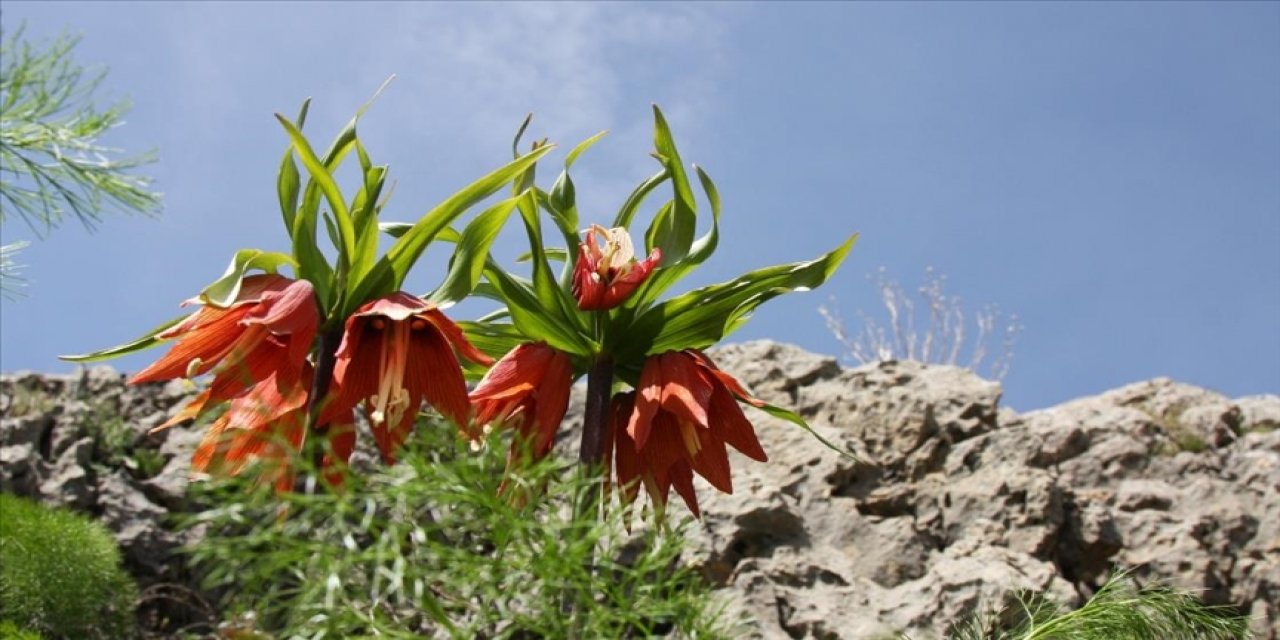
690	437
392	398
194	366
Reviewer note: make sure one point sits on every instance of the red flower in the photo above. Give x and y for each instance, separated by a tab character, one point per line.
267	425
604	277
268	330
257	350
396	352
528	390
677	423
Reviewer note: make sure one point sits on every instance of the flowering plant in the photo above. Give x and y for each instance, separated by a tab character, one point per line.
293	357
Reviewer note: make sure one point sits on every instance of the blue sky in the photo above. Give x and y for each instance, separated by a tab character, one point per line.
1109	172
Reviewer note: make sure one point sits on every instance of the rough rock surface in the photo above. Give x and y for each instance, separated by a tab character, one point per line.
953	503
82	441
956	503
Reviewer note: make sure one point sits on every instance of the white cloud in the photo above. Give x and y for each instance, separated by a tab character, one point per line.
474	71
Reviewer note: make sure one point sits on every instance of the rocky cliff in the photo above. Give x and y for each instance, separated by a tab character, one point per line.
953	502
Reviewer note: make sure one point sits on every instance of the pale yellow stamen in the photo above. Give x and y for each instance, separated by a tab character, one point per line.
194	366
690	437
392	399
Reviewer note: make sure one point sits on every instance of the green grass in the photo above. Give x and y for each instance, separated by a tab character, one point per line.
60	574
427	548
1118	611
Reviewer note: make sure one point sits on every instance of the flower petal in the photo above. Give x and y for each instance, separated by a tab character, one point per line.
206	345
648	395
684	392
434	372
453	333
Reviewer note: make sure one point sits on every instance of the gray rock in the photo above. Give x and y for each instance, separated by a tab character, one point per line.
953	504
960	503
70	483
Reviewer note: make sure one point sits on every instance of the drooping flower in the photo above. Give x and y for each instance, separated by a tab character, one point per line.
256	348
397	352
267	425
604	276
527	390
267	331
676	424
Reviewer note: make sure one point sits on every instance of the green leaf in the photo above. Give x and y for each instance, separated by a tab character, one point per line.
364	215
794	418
147	341
672	229
223	291
471	253
551	295
312	264
702	317
663	277
495	339
321	176
582	146
389	272
515	142
567	223
534	320
287	182
559	254
397	229
633	202
287	189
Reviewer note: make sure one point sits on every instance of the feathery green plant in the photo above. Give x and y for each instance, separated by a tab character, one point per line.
428	548
51	163
60	574
1119	610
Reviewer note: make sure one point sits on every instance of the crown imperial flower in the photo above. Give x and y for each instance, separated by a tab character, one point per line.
398	351
604	276
676	424
527	390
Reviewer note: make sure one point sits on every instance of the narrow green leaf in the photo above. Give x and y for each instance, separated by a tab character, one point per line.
582	146
636	198
534	320
471	253
287	189
663	277
312	264
559	254
794	418
147	341
397	229
567	223
287	181
302	112
364	215
224	290
703	317
388	274
495	339
515	142
673	231
321	176
550	293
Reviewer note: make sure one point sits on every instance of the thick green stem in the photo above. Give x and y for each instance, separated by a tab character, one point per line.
595	419
595	425
325	362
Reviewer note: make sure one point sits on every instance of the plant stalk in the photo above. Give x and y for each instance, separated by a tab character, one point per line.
595	425
326	359
595	419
